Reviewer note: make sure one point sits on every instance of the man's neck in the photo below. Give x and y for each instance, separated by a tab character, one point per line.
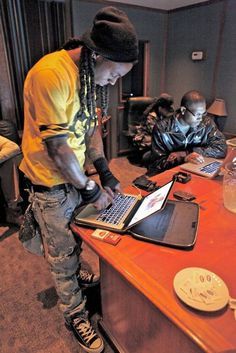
75	54
184	127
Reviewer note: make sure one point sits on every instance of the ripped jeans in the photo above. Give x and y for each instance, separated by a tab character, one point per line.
53	211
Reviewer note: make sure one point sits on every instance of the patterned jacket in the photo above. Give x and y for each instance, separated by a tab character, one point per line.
167	137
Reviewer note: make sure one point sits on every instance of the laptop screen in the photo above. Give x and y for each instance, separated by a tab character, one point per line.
152	203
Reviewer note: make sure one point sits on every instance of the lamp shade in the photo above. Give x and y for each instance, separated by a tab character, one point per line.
218	108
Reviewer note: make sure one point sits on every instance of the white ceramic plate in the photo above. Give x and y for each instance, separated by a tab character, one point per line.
201	289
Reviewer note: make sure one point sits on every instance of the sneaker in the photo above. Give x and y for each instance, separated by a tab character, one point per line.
87	279
87	337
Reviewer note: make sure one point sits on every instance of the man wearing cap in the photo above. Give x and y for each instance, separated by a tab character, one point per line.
60	125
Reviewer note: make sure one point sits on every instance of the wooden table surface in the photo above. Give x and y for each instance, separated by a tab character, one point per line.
151	268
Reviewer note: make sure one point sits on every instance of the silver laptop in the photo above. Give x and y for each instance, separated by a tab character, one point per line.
126	211
211	167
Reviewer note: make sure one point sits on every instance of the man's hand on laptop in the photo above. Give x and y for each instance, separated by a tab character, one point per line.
195	158
104	201
117	190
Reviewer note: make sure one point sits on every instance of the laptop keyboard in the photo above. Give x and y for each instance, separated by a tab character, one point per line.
113	214
211	168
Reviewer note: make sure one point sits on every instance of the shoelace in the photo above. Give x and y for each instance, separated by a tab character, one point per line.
85	275
85	329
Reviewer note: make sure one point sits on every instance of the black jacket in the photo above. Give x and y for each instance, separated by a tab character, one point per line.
167	137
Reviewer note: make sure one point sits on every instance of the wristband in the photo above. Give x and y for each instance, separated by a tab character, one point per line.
106	176
90	196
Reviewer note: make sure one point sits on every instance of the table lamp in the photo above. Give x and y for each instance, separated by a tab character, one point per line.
218	109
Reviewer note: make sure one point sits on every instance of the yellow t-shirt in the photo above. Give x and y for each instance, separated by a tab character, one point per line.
51	104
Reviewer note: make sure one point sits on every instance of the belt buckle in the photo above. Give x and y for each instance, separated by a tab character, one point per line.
67	188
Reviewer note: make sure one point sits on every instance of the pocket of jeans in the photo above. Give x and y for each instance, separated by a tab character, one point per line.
56	199
30	235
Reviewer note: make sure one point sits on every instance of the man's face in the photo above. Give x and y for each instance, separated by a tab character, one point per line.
194	113
108	72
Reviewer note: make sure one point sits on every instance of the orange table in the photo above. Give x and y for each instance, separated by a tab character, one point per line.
141	312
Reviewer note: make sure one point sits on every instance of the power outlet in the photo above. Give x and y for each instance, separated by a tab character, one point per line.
197	55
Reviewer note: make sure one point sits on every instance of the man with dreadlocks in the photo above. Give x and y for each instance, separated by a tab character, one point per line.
60	126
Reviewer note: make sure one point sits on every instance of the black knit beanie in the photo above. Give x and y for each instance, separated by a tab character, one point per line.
113	36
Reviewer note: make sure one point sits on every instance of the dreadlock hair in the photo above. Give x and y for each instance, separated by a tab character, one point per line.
150	107
102	93
89	92
164	101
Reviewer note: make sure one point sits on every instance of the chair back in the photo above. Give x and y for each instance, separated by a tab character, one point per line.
133	111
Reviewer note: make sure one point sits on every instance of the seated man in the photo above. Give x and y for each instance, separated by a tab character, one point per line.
187	136
159	109
10	157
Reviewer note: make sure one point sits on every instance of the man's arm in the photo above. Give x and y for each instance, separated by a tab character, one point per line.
66	161
213	142
161	156
94	144
95	151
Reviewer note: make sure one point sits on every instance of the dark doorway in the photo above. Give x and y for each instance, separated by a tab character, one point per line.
134	83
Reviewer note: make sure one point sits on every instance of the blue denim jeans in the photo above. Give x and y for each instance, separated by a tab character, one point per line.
53	211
